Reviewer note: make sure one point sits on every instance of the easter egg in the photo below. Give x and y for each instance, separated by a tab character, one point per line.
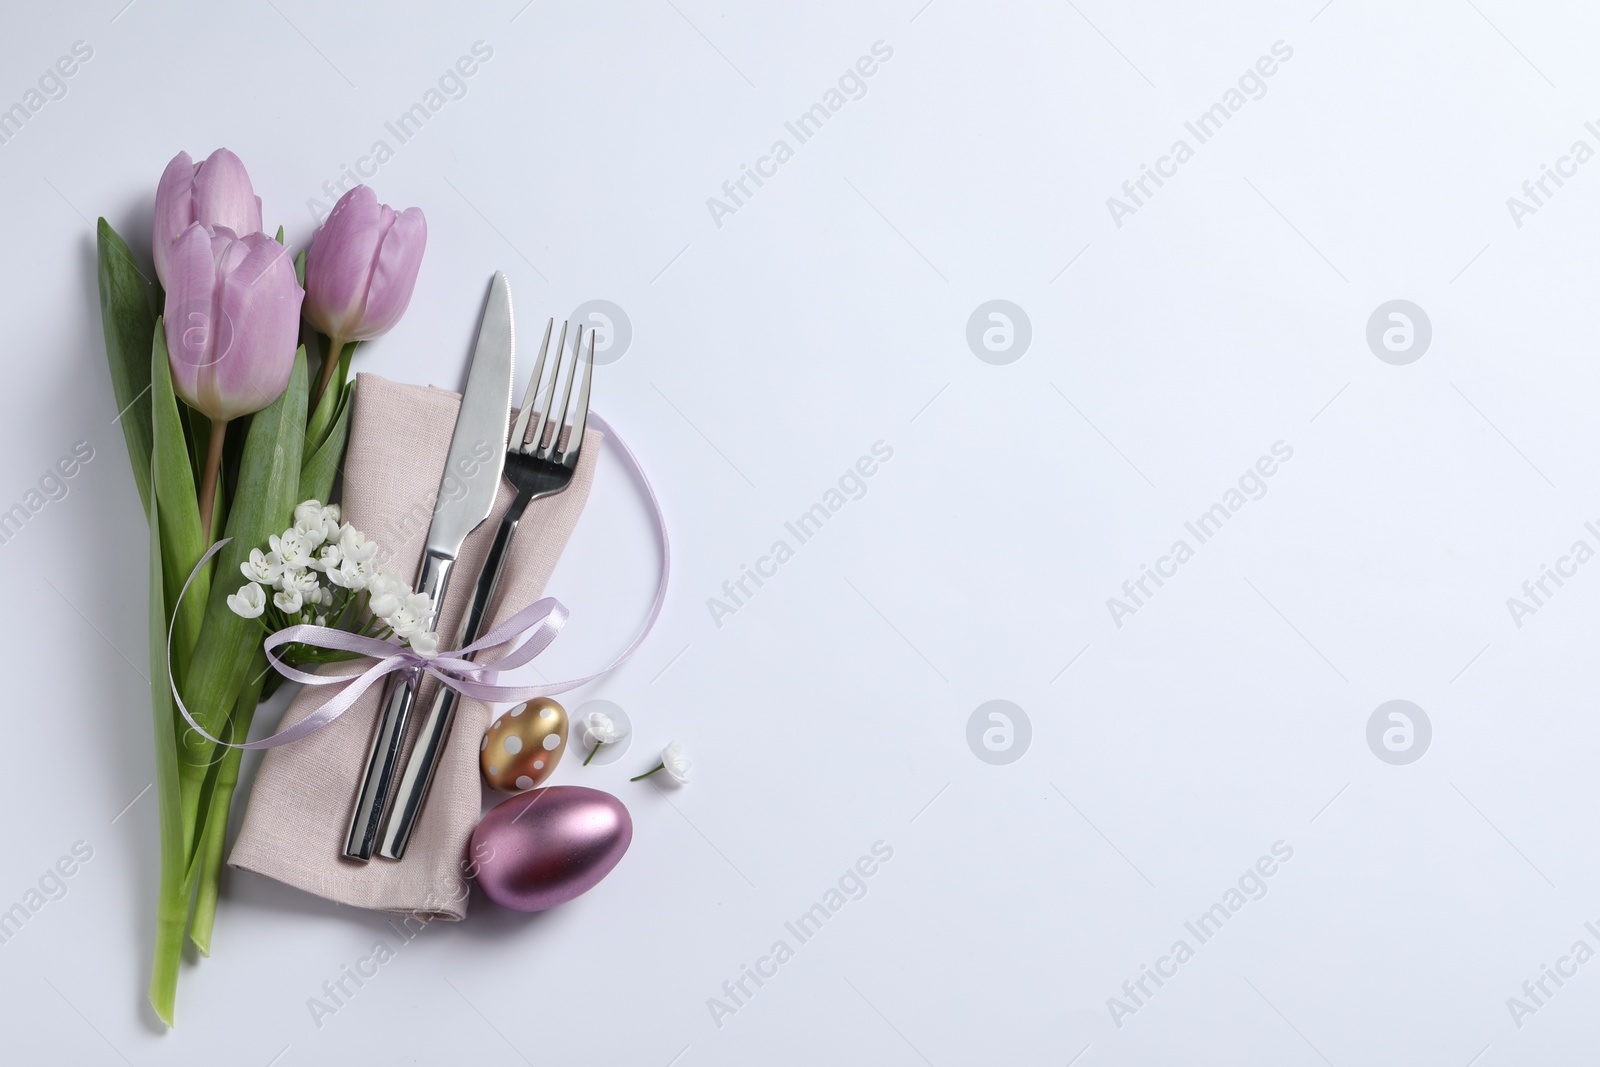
549	845
523	746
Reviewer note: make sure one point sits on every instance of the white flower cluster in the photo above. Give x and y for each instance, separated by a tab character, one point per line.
318	568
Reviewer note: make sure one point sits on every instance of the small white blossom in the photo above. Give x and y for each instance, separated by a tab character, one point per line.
291	548
330	522
249	602
300	581
287	601
673	762
262	567
309	524
353	544
386	592
355	574
425	644
328	558
306	510
407	620
311	531
322	620
602	728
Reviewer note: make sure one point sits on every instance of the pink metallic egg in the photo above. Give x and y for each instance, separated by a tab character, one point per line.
546	846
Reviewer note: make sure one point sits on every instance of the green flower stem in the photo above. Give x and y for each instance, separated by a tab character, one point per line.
208	480
207	866
348	603
658	767
595	749
214	836
335	350
172	916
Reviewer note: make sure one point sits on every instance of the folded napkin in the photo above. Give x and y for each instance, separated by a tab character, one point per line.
300	807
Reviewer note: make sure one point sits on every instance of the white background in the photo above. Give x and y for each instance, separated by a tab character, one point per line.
830	712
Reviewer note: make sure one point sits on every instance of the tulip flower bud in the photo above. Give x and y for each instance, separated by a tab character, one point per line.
232	320
215	192
362	266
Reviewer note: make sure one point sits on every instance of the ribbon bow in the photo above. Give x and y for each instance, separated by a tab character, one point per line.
524	635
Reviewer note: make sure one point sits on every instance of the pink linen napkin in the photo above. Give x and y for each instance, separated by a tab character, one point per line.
299	813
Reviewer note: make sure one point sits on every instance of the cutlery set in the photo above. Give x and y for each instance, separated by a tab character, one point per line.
389	801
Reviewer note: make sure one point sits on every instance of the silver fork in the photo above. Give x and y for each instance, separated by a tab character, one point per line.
537	468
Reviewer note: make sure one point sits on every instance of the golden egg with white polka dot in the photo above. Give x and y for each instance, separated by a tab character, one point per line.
523	746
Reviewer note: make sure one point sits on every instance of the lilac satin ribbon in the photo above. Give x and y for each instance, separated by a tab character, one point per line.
525	634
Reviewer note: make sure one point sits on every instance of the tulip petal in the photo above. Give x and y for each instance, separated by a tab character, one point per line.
395	275
191	310
223	195
174	209
339	264
232	319
260	300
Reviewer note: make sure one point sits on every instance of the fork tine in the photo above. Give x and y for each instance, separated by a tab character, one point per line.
581	416
520	431
533	445
559	414
555	415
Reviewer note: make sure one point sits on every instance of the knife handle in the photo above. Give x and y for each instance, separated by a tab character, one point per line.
377	782
429	749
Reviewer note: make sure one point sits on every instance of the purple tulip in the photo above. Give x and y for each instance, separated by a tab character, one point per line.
232	320
215	192
362	266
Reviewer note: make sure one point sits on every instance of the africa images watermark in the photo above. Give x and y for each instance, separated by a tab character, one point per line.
50	887
1536	191
851	885
452	85
852	85
1204	127
1537	992
52	85
340	990
1136	592
53	485
1252	885
1537	591
852	485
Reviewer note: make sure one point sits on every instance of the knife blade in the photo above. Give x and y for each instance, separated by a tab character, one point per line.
466	495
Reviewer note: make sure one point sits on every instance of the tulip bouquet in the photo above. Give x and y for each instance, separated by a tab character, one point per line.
212	368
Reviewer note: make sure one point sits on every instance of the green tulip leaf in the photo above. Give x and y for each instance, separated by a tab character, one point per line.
321	466
182	543
127	315
172	901
207	863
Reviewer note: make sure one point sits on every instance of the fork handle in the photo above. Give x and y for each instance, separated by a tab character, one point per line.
477	615
425	755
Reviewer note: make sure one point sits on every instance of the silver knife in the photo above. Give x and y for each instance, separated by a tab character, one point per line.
466	496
